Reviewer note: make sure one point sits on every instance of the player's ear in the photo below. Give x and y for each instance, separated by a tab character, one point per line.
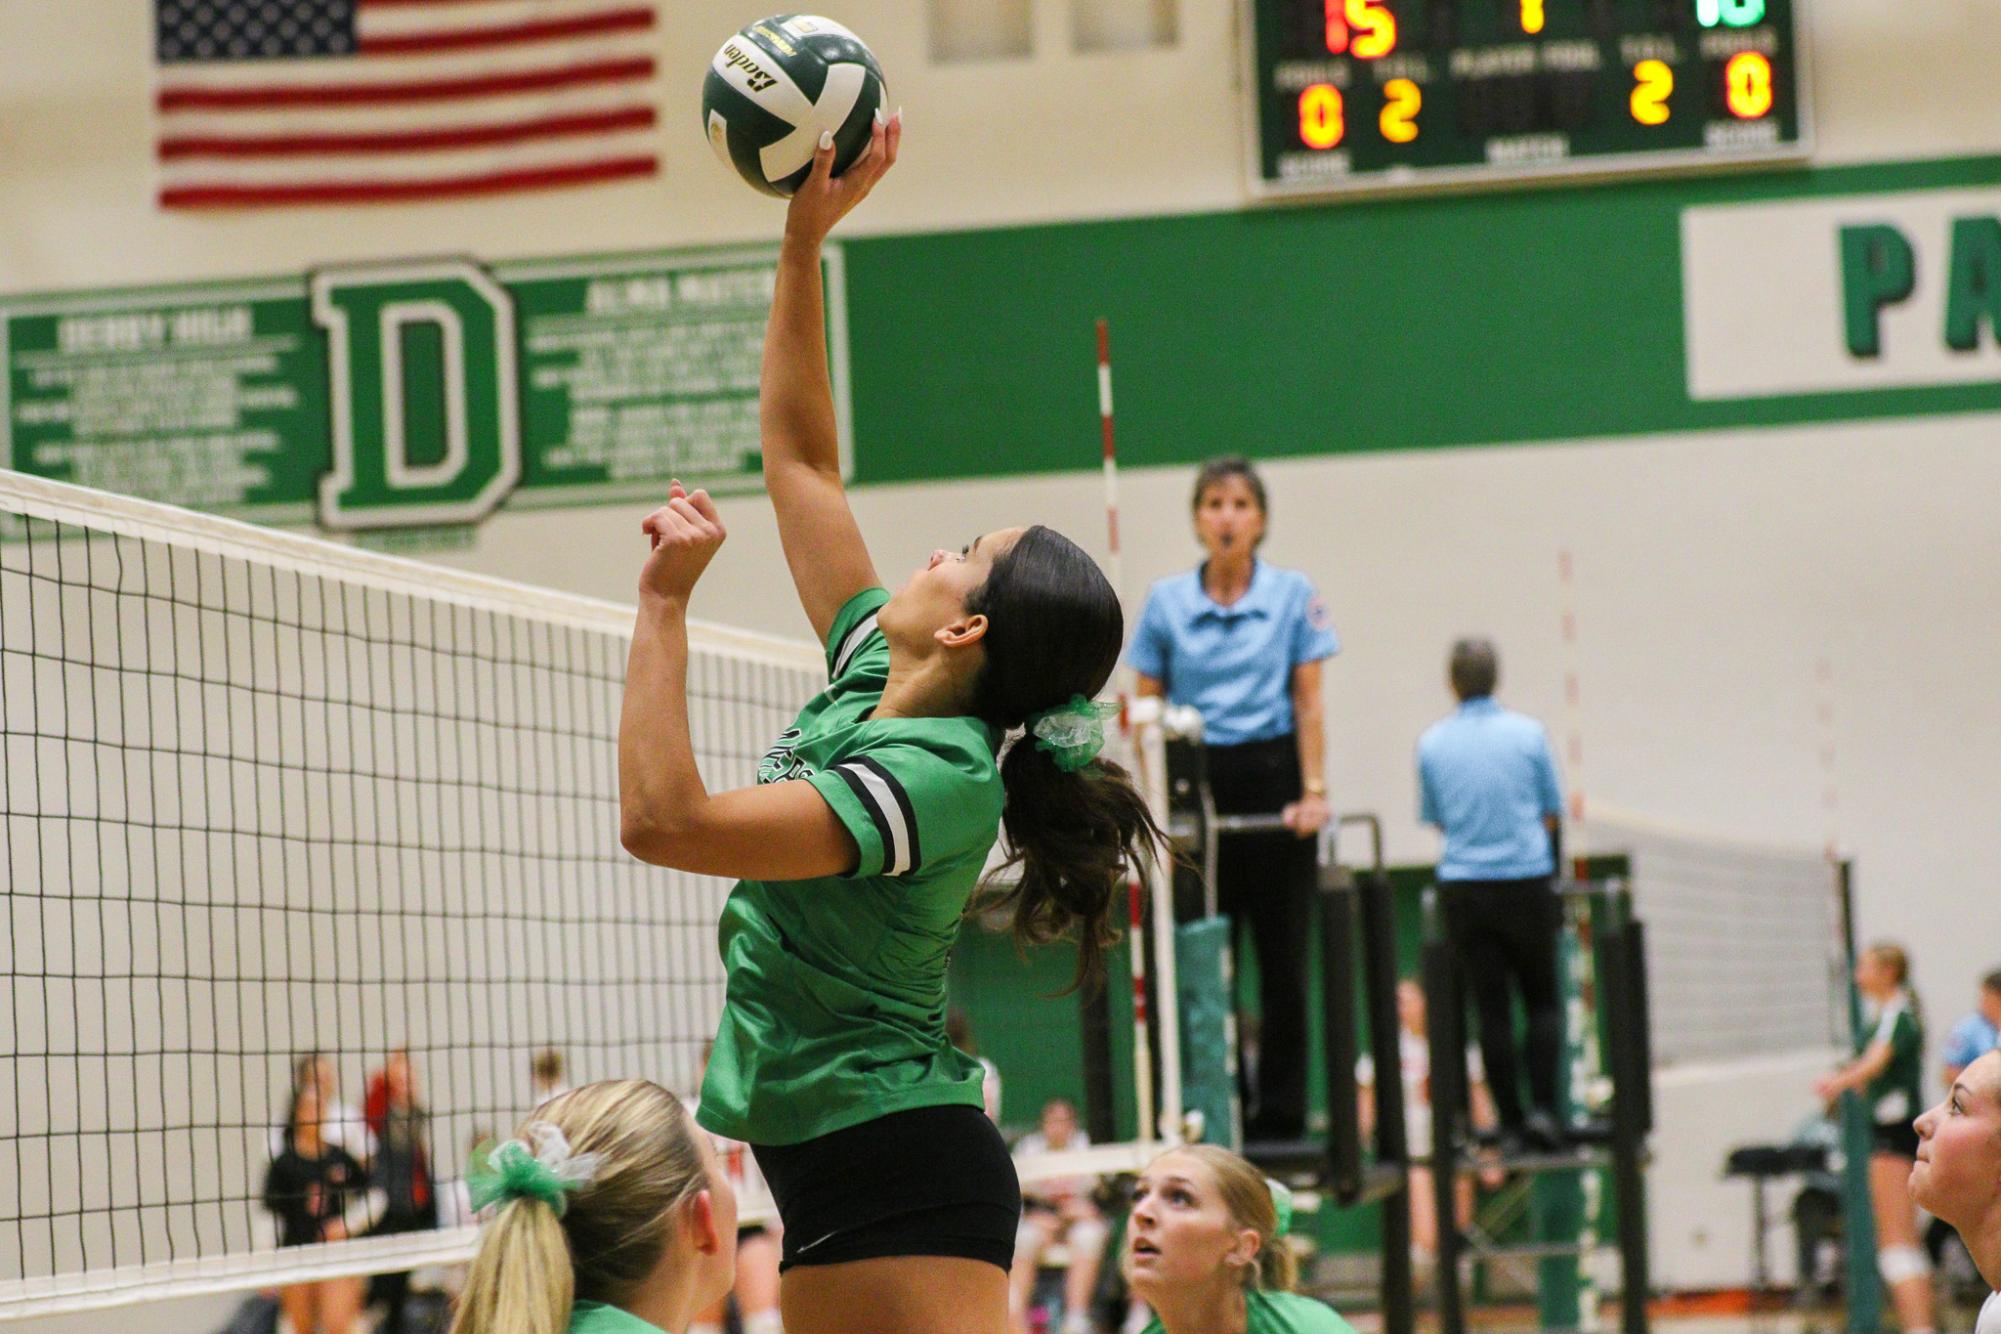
965	632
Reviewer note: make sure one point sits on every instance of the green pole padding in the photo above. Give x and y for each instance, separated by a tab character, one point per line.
1558	1208
1865	1291
1206	991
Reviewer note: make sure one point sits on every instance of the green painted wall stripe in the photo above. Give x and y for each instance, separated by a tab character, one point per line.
1439	321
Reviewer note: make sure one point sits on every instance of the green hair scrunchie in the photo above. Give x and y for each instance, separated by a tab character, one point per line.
513	1170
1281	1203
1072	734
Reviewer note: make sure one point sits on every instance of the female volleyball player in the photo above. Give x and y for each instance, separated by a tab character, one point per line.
614	1217
1889	1075
1958	1172
1204	1248
866	835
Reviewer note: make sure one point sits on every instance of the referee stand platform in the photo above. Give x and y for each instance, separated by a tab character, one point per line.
1557	1195
1611	1116
1355	925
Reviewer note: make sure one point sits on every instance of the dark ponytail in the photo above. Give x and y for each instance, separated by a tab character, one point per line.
1054	630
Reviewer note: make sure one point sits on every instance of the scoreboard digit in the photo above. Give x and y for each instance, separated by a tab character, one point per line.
1387	94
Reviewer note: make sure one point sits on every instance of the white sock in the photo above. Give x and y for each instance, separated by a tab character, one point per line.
1074	1322
700	1327
764	1322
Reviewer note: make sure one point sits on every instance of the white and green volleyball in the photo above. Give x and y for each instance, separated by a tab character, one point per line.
777	85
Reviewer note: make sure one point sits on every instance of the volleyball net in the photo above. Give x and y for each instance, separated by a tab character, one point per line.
264	797
1747	955
275	810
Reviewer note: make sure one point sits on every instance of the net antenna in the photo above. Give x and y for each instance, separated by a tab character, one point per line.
264	797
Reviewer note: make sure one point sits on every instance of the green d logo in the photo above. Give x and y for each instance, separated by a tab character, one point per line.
422	378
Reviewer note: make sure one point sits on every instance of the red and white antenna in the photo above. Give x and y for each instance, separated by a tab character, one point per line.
1111	456
1573	710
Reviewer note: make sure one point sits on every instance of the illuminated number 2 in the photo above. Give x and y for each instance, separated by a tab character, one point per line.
1321	123
1399	118
1532	16
1730	13
1653	83
1747	85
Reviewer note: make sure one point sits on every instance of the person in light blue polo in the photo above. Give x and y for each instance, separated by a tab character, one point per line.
1242	641
1978	1033
1486	778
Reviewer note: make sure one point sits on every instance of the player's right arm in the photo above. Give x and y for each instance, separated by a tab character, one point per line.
802	457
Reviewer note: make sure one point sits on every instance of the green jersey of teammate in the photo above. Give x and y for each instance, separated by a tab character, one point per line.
836	1000
1283	1313
1897	1095
597	1318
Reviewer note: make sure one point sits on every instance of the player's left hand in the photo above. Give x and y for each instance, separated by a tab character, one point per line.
686	533
1307	816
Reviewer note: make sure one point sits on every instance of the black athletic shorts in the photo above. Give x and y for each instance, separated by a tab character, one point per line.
931	1181
1897	1137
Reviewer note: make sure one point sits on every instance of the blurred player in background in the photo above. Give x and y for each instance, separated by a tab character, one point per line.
1888	1074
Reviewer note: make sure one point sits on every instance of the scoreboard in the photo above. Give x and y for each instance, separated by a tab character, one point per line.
1385	94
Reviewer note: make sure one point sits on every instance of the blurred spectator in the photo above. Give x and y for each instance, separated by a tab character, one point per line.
340	1124
1414	1059
1053	1210
320	1193
1888	1075
1977	1034
959	1029
546	1071
401	1170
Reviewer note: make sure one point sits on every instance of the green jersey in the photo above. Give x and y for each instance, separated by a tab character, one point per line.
597	1318
1283	1313
1897	1095
835	1009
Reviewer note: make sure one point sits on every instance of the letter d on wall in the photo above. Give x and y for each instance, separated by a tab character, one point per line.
422	382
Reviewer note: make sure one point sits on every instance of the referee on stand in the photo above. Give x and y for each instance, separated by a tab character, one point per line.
1242	642
1487	779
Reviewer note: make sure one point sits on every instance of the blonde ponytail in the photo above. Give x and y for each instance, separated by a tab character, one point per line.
533	1264
521	1280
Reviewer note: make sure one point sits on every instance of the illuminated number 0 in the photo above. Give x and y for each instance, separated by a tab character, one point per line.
1654	83
1399	119
1321	124
1731	13
1747	85
1365	28
1532	16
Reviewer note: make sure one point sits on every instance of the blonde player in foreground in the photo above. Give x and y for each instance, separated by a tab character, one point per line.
614	1217
1958	1172
1205	1249
862	844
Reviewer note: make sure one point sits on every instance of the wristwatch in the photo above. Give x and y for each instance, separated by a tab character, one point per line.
1315	787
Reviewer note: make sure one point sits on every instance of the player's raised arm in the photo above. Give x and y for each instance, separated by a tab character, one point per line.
802	463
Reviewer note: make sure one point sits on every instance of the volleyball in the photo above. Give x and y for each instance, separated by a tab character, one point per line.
776	85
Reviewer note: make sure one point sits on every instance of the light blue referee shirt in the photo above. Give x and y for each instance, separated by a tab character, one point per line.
1971	1038
1233	664
1486	777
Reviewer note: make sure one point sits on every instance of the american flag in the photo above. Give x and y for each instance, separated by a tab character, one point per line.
275	102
